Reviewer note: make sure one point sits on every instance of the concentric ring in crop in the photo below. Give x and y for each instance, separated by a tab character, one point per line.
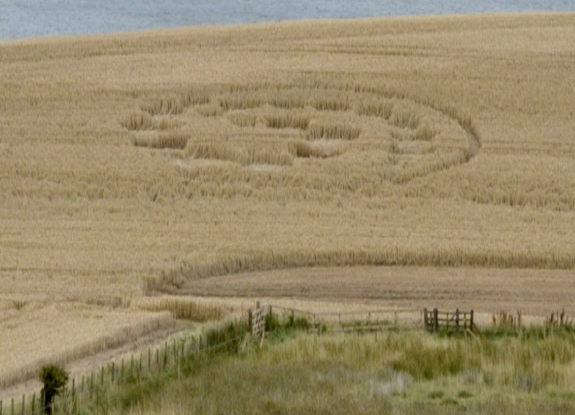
266	126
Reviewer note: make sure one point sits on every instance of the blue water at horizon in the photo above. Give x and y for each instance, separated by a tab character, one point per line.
34	18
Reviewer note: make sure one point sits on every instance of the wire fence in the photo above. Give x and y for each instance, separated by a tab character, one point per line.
362	320
172	354
137	368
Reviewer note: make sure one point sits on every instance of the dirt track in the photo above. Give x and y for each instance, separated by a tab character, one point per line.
534	292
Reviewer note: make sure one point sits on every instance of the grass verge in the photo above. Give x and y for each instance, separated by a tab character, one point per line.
397	372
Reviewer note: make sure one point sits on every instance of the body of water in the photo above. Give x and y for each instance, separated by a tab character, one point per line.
33	18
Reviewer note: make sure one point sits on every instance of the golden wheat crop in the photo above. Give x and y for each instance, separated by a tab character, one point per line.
133	163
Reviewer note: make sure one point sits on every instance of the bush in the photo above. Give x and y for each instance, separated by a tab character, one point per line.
54	379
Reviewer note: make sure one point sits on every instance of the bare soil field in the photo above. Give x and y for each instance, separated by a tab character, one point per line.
533	292
200	160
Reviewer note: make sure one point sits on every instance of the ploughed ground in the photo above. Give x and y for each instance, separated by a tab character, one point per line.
531	291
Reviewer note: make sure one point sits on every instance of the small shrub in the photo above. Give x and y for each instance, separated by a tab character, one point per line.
464	394
437	394
227	338
297	323
272	322
54	379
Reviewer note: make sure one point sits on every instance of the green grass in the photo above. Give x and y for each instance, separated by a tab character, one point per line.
397	372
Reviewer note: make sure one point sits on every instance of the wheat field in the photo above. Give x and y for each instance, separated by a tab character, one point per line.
135	164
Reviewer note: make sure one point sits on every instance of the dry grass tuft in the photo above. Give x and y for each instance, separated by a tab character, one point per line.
287	121
242	119
404	119
182	308
330	104
375	109
165	106
138	121
301	149
177	141
243	155
209	110
318	131
242	101
317	149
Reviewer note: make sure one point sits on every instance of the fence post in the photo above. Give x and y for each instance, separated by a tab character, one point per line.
470	323
113	371
435	322
23	404
457	319
12	411
425	323
166	354
33	402
102	377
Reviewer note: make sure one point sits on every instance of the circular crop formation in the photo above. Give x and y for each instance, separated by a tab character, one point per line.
280	126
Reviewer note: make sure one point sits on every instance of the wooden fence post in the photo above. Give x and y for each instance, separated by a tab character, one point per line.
166	354
33	402
457	319
470	323
425	322
102	377
435	322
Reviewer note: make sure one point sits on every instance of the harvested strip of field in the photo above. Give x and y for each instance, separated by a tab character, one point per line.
533	292
33	335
